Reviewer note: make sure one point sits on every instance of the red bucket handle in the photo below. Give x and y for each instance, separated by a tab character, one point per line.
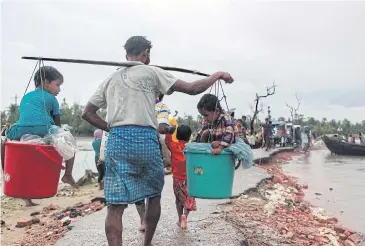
49	157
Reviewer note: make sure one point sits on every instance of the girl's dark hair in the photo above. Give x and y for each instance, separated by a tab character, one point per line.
210	103
46	73
183	133
136	44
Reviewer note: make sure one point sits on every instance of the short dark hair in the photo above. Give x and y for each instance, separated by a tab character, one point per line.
136	44
209	102
240	120
183	133
46	73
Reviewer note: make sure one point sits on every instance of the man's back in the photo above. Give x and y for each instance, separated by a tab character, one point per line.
129	95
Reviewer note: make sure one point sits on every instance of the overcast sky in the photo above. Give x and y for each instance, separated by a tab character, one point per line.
315	49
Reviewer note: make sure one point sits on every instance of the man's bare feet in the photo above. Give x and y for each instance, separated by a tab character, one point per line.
68	179
29	203
142	228
184	222
101	185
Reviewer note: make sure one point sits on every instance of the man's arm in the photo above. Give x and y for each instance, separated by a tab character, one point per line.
93	118
199	86
165	129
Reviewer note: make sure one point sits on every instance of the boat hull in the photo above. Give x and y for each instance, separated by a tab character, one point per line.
341	148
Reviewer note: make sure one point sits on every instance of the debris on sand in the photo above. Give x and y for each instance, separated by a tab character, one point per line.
48	226
276	214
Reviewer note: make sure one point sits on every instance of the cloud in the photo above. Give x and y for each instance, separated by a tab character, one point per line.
312	48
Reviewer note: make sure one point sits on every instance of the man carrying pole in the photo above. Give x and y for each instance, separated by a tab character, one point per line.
134	168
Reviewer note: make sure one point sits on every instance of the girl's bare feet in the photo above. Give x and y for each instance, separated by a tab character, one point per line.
68	179
29	203
184	222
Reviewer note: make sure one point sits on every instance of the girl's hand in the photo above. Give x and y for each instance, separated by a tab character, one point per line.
216	151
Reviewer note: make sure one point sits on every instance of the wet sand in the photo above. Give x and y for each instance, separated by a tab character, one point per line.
336	184
276	213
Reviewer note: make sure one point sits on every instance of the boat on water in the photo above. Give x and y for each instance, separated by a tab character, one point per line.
339	146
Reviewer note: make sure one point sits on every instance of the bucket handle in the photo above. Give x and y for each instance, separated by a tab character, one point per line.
50	158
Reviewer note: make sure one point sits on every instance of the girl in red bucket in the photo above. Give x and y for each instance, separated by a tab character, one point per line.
220	129
39	111
184	203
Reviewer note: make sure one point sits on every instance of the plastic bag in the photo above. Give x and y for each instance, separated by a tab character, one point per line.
32	139
64	142
239	149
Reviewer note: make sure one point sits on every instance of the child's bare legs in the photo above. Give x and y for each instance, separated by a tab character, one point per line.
67	177
184	219
180	212
141	209
183	214
29	202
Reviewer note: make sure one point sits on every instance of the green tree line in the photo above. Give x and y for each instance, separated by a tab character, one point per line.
71	115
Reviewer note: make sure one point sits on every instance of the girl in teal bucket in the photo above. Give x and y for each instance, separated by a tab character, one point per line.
39	111
220	129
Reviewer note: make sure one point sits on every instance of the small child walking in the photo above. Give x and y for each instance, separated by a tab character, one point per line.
184	203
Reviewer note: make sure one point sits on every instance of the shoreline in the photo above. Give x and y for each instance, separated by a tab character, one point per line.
271	213
276	213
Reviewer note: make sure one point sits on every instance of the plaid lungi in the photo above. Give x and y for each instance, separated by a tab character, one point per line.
134	169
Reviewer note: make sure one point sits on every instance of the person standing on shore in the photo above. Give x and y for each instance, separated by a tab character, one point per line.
134	168
100	165
244	122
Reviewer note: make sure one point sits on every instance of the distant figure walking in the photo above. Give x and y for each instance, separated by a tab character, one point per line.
100	165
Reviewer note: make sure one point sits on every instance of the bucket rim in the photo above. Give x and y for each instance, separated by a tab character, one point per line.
18	143
224	152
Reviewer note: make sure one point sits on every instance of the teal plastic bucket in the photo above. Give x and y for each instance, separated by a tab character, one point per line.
209	176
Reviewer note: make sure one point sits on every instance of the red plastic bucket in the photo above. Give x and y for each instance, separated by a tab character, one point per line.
31	171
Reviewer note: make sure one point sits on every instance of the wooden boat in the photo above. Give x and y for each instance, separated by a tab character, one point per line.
340	147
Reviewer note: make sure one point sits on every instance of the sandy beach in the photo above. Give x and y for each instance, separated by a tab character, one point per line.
42	224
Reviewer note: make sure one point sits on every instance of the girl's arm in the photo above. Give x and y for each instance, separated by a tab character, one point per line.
57	120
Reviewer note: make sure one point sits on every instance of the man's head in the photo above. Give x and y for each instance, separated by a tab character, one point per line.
244	118
138	49
267	120
183	133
